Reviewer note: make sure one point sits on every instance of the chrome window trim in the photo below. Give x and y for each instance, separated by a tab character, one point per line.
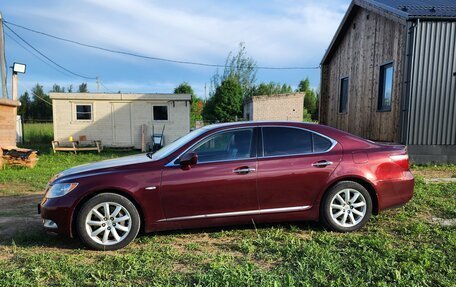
333	144
239	213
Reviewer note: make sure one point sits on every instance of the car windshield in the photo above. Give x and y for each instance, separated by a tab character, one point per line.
175	145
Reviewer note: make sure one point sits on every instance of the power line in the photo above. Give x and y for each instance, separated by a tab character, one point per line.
35	55
149	57
35	94
45	62
106	88
49	59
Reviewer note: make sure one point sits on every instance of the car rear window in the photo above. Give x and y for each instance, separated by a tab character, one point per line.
320	144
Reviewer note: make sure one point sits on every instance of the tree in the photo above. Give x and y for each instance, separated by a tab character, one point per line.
271	88
57	89
310	99
184	88
24	109
304	85
41	107
240	67
197	103
226	103
238	80
83	88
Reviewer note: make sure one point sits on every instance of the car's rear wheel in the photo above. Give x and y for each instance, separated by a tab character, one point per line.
108	221
346	207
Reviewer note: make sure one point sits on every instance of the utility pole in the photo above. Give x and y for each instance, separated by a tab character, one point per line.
98	85
205	91
14	86
2	59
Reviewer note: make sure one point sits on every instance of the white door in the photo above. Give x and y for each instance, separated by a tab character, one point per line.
121	117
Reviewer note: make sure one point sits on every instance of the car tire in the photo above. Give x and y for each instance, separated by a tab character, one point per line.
108	221
342	215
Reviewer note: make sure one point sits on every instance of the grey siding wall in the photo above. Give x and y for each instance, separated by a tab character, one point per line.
432	93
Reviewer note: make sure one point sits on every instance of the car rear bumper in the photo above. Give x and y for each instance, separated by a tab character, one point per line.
56	218
395	192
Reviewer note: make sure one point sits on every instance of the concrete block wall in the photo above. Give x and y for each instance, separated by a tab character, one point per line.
283	107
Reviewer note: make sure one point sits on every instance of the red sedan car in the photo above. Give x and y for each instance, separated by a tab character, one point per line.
229	174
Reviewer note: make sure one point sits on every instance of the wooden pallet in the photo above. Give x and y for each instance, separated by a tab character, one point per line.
28	159
74	146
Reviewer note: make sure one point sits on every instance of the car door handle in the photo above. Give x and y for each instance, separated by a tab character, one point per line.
243	170
322	163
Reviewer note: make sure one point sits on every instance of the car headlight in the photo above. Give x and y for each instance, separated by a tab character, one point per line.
52	180
60	189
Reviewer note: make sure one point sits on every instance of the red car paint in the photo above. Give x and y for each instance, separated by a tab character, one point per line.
281	188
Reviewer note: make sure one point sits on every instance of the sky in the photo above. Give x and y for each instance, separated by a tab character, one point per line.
276	33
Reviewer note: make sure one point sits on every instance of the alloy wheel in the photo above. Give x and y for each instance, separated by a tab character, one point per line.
348	207
108	223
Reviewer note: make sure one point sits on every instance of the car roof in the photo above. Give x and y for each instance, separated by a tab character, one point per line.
341	137
255	123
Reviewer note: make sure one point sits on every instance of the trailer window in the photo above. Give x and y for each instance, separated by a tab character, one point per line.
84	112
160	113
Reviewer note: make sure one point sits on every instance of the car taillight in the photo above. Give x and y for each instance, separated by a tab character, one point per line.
401	159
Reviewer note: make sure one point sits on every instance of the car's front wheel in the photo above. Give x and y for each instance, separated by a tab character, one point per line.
108	221
346	207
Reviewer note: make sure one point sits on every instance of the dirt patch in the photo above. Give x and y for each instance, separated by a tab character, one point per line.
434	173
440	180
14	188
444	221
18	214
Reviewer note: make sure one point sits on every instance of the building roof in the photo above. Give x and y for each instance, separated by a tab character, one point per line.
397	10
419	8
120	97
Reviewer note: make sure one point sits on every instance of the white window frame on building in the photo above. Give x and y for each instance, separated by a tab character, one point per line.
76	105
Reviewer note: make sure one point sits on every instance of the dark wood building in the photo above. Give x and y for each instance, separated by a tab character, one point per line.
389	74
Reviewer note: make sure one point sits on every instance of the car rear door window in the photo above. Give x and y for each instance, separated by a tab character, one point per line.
232	145
279	141
282	141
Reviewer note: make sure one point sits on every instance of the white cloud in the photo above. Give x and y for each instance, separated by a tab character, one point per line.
276	33
295	33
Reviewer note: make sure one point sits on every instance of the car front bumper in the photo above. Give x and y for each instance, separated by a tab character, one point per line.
57	217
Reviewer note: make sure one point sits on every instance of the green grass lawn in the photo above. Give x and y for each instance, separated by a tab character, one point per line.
38	132
409	246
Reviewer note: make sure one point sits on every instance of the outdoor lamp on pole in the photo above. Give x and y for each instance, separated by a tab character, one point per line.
17	68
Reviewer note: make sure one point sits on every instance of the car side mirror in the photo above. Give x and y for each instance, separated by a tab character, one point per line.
187	160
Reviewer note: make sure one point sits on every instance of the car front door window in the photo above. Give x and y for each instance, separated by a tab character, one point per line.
232	145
